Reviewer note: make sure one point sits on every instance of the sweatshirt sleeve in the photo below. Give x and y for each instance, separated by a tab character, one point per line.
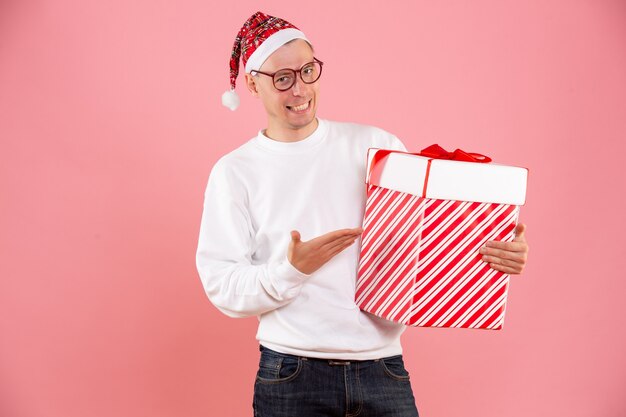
224	256
397	144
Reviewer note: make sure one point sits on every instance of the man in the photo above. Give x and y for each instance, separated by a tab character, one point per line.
281	216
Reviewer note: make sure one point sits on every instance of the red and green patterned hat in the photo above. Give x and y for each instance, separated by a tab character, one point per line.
258	38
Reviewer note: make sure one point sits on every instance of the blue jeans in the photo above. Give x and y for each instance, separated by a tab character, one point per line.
295	386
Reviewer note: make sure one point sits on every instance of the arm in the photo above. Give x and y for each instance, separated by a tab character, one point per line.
224	256
397	144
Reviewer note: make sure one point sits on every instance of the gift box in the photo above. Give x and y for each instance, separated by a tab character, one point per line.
426	217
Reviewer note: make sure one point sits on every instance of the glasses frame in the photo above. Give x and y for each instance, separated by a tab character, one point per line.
296	73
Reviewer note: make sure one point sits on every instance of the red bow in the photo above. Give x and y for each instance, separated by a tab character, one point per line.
437	152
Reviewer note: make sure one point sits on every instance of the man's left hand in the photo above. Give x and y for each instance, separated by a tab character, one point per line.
507	257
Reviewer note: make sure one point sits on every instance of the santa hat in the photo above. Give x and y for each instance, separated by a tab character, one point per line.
258	38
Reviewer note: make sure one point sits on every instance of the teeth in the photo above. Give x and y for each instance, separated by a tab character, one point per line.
301	107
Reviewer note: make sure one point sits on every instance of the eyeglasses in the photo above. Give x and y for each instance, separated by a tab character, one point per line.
285	78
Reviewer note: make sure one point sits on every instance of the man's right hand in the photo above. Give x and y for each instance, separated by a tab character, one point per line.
307	257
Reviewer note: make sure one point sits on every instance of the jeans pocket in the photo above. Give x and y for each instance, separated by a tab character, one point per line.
278	368
394	367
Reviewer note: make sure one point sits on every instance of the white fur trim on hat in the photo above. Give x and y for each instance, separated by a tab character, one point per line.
270	45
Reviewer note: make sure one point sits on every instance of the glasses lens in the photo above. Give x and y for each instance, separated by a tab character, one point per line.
311	72
284	79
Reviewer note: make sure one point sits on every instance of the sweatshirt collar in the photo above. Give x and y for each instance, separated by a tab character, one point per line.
307	143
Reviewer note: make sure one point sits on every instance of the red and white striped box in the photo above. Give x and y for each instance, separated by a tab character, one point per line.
425	219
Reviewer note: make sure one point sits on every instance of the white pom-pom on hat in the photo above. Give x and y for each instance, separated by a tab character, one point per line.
230	99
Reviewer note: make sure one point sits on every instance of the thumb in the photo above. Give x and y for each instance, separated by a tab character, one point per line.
295	236
519	231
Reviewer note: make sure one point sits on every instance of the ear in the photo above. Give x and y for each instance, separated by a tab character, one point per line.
251	84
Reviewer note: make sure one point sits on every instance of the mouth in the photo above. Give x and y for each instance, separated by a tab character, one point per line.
302	108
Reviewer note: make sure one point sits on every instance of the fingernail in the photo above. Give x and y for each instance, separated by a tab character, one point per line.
482	250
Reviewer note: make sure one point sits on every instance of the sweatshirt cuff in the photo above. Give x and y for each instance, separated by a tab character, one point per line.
288	279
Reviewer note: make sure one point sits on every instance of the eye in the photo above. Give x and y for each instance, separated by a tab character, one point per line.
283	78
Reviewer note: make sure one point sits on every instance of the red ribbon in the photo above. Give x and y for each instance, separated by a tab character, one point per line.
437	152
433	152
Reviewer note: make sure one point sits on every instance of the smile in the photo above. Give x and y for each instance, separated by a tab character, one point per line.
301	107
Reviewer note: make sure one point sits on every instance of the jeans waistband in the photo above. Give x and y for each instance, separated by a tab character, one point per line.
308	358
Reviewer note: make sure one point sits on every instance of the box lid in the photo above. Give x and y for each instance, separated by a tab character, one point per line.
447	179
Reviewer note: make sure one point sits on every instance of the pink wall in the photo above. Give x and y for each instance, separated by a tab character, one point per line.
110	122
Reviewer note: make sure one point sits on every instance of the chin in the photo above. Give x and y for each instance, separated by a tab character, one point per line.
299	124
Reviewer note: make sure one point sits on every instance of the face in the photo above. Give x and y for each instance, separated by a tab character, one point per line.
293	111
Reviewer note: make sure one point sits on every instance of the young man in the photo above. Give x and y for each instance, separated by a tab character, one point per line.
281	216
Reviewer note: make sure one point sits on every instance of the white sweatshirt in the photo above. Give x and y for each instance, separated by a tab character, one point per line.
255	196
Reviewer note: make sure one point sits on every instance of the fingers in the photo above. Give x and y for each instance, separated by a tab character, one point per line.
511	270
336	237
332	244
519	232
515	253
512	254
508	254
507	257
516	263
340	247
506	246
337	234
517	245
345	241
502	257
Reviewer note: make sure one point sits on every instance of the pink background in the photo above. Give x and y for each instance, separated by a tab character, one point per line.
110	122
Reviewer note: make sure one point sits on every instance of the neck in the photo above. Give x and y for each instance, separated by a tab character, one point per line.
290	134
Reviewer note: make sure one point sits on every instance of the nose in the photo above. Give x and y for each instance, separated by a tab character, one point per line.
298	87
